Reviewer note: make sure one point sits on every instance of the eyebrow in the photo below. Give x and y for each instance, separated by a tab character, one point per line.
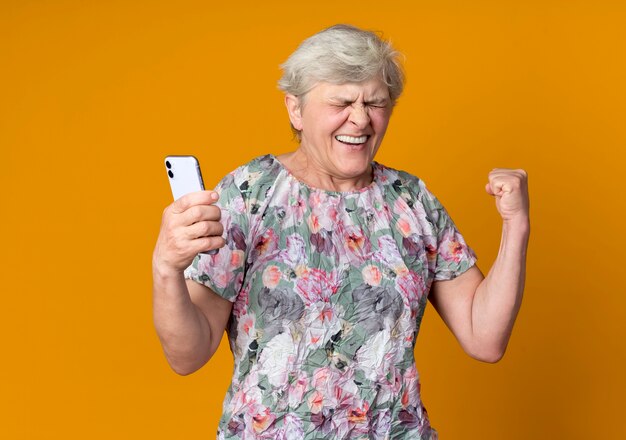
344	100
378	101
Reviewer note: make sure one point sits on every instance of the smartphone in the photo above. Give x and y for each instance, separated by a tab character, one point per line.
185	177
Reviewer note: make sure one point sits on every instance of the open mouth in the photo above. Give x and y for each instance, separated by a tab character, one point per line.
352	140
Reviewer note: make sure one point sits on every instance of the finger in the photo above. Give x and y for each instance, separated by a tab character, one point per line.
504	172
509	182
496	186
504	181
199	213
488	189
204	244
193	199
204	229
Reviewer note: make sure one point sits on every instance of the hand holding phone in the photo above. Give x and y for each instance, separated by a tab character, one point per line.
185	178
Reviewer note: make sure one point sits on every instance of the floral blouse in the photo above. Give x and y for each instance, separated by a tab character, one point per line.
328	291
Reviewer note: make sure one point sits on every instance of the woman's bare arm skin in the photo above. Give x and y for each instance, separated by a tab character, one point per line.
189	318
481	311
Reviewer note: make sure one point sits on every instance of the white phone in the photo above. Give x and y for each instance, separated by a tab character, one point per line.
185	177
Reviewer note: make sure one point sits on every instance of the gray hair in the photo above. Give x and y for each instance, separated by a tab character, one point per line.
342	54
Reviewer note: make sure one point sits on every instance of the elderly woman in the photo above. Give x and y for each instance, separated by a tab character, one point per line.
326	260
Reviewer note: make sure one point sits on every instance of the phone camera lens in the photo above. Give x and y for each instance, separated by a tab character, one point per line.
169	173
168	164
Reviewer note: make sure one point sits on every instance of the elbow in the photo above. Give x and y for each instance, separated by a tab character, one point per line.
185	366
490	358
485	353
181	371
185	359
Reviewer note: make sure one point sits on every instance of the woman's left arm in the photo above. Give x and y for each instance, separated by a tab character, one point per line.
479	310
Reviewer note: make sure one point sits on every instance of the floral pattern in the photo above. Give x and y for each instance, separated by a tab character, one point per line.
329	290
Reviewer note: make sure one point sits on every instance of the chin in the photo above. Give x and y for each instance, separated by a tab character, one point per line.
352	161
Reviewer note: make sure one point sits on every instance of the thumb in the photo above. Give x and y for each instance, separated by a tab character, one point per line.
489	189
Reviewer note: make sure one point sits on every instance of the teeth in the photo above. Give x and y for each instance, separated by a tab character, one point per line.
351	139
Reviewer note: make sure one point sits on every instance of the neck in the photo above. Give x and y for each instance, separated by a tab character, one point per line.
307	170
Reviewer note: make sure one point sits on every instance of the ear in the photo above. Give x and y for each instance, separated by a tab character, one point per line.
294	109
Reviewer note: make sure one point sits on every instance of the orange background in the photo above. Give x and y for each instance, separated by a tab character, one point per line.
94	94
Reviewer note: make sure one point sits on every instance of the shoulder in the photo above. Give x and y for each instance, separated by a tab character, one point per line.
407	185
256	172
249	185
251	179
408	193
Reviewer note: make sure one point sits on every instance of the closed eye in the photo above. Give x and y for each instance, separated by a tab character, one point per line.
377	104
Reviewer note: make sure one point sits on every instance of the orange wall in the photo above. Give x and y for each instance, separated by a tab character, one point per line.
94	94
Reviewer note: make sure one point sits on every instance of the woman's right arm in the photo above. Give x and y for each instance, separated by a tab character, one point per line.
189	318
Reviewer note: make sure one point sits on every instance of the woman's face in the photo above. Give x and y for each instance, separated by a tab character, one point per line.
342	125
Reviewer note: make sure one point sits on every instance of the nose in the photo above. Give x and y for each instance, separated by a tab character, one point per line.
359	116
